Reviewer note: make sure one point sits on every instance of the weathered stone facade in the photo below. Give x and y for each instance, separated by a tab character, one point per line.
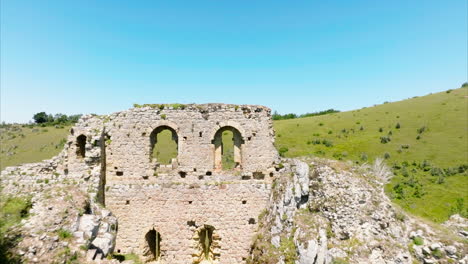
193	192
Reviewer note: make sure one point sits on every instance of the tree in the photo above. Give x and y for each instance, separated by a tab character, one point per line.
40	118
60	118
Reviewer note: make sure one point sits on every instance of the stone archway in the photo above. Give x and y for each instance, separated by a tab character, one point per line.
207	251
164	144
221	148
152	249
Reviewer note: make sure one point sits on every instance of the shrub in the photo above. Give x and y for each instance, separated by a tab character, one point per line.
363	157
386	155
288	250
64	234
459	208
418	137
283	151
385	140
419	241
405	146
330	132
404	172
163	116
397	126
440	180
316	141
465	84
449	91
320	124
400	216
361	128
421	129
436	171
327	143
437	253
380	129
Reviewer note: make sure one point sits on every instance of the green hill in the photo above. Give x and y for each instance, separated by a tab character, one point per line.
24	144
424	139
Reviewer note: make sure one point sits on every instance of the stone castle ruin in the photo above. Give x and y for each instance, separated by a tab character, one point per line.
194	208
199	184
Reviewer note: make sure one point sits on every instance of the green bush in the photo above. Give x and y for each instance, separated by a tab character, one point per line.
283	151
385	140
421	129
397	126
386	155
327	143
64	234
418	241
437	253
363	157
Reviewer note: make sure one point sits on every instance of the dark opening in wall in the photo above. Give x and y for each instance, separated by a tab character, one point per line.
200	134
251	221
194	169
271	174
182	174
81	146
245	177
119	173
153	240
190	202
191	223
258	175
201	177
244	202
127	202
72	131
208	173
87	208
205	236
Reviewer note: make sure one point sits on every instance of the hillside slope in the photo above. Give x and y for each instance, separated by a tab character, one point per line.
22	144
423	138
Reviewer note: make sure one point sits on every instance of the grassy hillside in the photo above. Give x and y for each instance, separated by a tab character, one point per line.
20	144
424	139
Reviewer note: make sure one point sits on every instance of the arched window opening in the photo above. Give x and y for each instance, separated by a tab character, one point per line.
228	149
164	144
81	146
153	241
205	239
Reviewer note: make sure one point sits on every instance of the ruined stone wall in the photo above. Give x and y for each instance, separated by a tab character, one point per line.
190	193
177	211
128	150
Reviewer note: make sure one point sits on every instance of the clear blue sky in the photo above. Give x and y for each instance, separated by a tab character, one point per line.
293	56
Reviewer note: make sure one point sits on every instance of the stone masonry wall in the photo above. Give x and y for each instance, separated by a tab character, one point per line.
190	194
